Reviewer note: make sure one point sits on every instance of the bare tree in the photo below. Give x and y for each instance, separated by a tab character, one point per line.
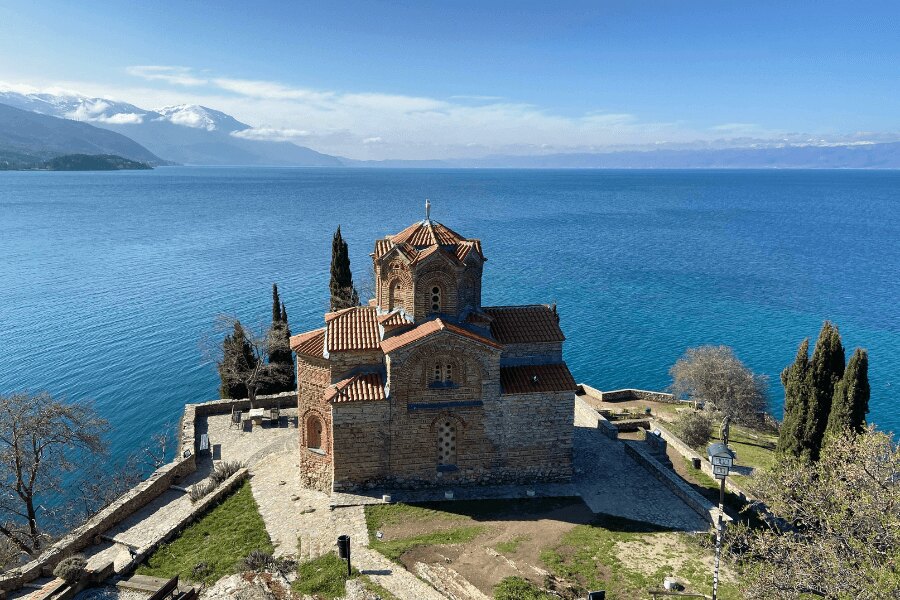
40	439
837	534
242	356
715	375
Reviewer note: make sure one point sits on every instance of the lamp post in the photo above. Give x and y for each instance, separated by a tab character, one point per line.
722	459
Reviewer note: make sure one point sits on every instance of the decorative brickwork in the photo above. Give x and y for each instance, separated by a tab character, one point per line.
426	408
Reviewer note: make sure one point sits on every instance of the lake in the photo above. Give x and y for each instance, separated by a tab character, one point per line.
110	281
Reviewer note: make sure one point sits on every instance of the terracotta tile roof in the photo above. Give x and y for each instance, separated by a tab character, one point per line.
550	378
359	388
464	248
352	329
394	318
427	233
311	343
524	324
426	329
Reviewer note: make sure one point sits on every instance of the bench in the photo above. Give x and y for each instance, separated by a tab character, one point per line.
204	442
168	590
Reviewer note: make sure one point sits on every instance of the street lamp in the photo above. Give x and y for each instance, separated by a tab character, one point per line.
722	459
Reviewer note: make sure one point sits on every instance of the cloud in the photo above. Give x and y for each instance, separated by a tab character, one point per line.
169	74
95	111
272	134
373	140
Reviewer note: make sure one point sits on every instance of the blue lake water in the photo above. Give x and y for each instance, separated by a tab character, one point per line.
109	281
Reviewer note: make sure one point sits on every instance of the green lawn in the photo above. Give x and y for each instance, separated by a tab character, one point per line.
323	577
379	515
217	542
587	556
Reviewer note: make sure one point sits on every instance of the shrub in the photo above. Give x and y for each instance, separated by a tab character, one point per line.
71	569
257	560
200	571
694	428
201	489
224	470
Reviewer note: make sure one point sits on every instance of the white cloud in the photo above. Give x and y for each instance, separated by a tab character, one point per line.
373	140
169	74
272	134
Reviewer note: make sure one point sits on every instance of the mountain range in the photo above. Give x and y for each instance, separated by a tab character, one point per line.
187	134
191	134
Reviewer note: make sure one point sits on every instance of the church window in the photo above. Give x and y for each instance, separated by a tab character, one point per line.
394	299
314	432
435	299
442	375
446	443
438	376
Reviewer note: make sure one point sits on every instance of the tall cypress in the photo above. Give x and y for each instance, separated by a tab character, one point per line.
237	356
276	305
851	396
826	370
795	379
343	293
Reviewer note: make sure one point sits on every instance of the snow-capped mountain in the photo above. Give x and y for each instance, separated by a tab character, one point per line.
200	117
186	133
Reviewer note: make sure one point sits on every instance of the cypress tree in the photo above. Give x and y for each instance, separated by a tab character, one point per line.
284	317
343	293
826	370
237	355
851	396
276	305
795	379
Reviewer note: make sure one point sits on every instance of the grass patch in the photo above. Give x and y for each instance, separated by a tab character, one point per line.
510	546
754	448
213	546
323	577
394	549
586	556
518	588
379	590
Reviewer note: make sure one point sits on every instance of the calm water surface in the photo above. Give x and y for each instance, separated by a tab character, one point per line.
109	281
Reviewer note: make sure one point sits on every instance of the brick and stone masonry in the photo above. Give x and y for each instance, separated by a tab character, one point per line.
425	387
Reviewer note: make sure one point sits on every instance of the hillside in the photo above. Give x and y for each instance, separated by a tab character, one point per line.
185	133
93	162
28	137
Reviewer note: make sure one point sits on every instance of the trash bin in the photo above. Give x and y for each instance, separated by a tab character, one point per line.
696	462
344	546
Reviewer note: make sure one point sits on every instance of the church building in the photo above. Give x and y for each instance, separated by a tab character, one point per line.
427	387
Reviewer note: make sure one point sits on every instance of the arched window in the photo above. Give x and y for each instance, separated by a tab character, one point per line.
435	299
314	432
446	443
394	295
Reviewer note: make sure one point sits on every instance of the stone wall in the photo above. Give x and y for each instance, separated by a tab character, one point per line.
496	439
85	535
631	394
584	413
313	412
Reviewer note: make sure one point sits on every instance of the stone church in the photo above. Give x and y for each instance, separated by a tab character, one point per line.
427	387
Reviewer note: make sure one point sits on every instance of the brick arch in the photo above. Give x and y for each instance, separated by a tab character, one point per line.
388	279
448	292
313	429
466	366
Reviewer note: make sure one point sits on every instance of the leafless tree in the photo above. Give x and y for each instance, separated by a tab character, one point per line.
40	439
837	534
713	374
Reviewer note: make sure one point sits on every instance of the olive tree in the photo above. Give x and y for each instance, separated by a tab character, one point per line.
713	374
836	527
41	439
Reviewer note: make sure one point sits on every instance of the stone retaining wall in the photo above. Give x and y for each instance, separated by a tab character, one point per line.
199	508
670	478
689	453
83	536
585	413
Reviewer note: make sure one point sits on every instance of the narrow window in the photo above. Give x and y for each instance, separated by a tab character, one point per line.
448	373
437	372
314	433
446	443
435	299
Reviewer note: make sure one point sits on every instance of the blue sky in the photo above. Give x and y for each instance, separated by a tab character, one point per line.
420	79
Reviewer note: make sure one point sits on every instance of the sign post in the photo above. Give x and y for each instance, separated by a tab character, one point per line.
722	459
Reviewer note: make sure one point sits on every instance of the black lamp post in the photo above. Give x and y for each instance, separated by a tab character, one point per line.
722	459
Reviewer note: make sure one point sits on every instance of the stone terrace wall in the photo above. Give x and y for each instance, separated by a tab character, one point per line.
85	535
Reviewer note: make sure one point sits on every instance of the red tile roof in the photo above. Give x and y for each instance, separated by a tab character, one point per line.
311	343
352	329
359	388
421	239
524	324
427	233
429	328
393	318
550	378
